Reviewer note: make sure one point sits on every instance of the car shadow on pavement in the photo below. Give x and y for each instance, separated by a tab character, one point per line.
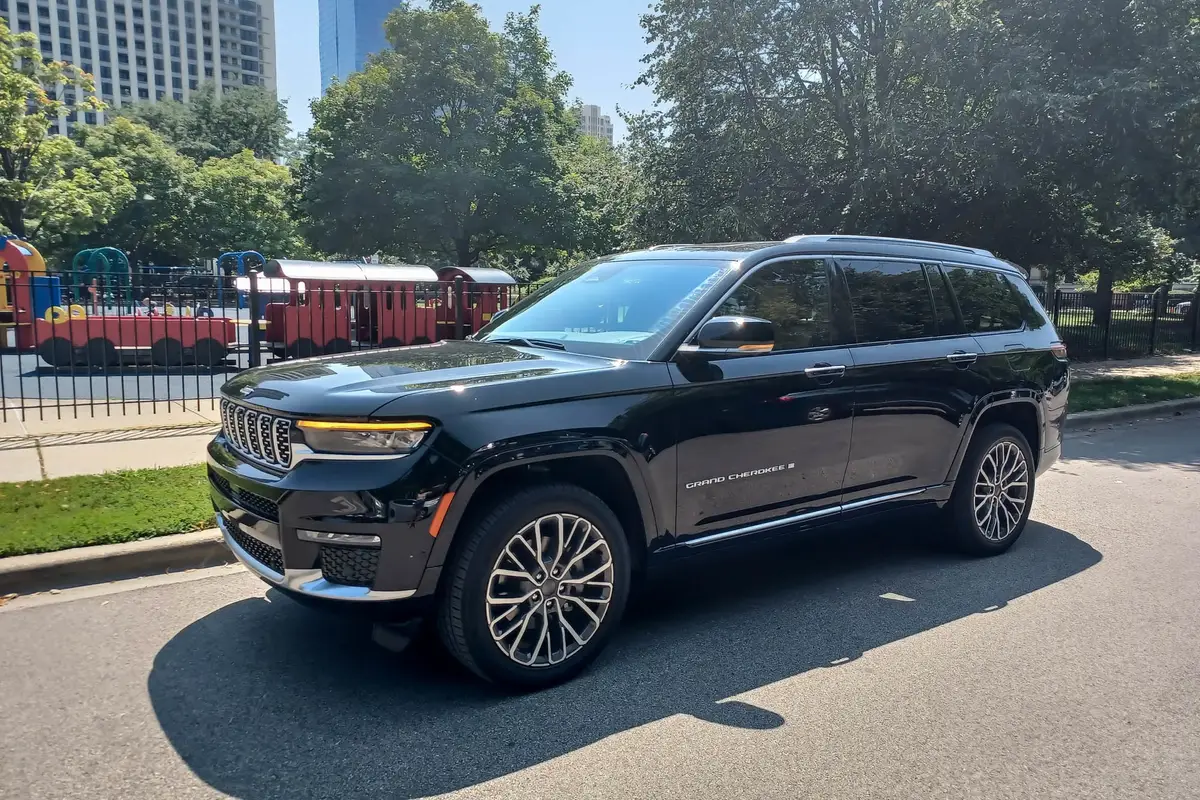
271	700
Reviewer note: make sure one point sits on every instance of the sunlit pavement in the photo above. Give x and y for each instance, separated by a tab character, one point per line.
865	665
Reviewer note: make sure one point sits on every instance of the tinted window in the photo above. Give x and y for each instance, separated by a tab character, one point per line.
1031	308
794	295
621	309
943	303
986	300
890	301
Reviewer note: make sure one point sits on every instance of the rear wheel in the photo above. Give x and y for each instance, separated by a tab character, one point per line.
101	353
994	492
302	348
167	352
537	587
209	352
338	346
391	341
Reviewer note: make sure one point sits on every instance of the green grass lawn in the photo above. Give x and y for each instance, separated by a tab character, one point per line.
41	516
1100	393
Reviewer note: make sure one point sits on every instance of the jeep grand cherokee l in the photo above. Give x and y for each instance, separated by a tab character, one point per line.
639	407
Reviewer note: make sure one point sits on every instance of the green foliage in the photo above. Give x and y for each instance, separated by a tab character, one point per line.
207	126
49	189
444	144
1055	132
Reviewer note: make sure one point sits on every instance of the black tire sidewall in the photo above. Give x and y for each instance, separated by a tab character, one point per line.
518	512
966	529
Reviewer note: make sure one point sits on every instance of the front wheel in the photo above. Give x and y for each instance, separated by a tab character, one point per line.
994	492
537	587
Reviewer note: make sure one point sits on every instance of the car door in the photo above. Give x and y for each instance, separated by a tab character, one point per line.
763	438
914	375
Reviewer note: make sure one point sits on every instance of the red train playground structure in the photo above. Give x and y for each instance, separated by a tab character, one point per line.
337	307
293	309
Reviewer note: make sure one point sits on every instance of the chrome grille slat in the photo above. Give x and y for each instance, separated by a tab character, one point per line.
257	435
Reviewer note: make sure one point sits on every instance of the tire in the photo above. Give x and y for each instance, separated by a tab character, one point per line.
209	352
997	533
391	341
422	340
101	353
337	346
56	351
302	348
167	352
465	617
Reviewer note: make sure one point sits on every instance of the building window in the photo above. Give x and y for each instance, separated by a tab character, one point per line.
144	93
123	74
176	67
142	77
193	84
105	72
106	88
141	60
177	82
159	80
90	117
158	64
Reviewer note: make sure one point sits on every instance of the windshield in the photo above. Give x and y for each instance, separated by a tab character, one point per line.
619	309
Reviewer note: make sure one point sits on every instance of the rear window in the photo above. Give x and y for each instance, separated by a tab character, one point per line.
890	300
987	301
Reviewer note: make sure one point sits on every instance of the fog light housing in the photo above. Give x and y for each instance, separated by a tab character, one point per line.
347	539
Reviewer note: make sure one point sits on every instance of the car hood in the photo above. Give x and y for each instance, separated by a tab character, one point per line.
359	384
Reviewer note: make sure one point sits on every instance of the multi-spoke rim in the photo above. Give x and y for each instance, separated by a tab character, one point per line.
549	590
1001	491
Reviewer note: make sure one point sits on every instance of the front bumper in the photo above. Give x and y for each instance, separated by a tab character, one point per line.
262	516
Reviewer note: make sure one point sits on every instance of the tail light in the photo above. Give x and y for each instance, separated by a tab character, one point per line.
1059	350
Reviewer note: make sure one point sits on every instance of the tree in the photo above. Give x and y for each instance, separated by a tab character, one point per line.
240	203
149	226
445	143
49	189
207	126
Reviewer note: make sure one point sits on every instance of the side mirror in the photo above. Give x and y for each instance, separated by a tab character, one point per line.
734	335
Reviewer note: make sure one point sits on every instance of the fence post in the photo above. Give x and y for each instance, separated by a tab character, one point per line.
1057	304
458	307
1154	320
253	336
1194	310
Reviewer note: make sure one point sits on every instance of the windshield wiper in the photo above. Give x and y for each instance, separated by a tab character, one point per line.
523	342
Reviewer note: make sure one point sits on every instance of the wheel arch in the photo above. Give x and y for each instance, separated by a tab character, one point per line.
606	468
1021	410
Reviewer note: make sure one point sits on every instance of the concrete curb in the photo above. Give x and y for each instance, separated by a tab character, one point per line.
110	562
1090	419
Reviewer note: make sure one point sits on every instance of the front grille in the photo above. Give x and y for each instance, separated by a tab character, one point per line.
350	566
260	436
256	504
263	553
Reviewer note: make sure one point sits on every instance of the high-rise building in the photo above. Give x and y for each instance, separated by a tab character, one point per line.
148	50
593	123
350	31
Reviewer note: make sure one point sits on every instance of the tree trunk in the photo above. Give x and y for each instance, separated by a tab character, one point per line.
1104	298
13	216
462	247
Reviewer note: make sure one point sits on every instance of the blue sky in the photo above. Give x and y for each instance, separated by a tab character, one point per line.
599	42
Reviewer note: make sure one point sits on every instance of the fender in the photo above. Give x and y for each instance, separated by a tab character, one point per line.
1010	397
484	464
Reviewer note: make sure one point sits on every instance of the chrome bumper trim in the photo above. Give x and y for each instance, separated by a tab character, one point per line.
306	581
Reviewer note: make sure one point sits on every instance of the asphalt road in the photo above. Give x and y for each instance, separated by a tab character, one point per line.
1069	668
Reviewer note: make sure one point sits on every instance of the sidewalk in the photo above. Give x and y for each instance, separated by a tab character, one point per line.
35	444
1136	368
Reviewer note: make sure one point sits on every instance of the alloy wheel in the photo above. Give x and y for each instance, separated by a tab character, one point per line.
1001	491
549	590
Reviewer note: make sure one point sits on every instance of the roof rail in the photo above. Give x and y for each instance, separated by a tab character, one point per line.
920	242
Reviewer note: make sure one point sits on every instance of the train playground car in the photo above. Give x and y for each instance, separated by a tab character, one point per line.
336	307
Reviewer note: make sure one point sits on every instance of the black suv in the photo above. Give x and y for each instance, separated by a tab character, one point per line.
639	407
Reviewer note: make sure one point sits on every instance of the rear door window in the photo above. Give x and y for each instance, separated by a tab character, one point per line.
987	301
793	296
890	301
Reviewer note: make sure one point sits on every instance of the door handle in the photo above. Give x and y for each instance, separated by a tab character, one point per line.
962	357
825	371
1015	348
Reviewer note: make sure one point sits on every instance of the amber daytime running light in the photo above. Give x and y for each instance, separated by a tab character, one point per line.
363	438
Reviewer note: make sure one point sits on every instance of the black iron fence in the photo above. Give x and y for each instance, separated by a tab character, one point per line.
82	345
1135	323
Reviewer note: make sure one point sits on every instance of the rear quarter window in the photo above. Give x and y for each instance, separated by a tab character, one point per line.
987	300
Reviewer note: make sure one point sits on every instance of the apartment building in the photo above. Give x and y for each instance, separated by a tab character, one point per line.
593	123
149	50
350	30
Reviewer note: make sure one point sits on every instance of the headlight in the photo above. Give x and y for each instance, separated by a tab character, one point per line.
363	438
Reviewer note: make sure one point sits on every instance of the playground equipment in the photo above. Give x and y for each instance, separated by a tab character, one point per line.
236	264
19	261
111	281
333	307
